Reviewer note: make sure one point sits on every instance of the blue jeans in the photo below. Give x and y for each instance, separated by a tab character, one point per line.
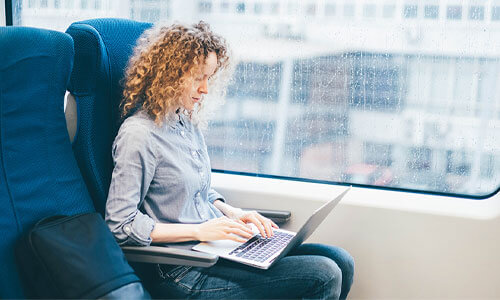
310	271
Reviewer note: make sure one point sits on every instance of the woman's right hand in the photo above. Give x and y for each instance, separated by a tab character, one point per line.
223	228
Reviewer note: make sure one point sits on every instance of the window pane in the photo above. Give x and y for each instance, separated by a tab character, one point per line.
240	8
495	13
410	11
419	159
224	6
369	11
378	154
275	8
357	94
311	9
330	9
204	7
388	10
476	13
454	12
348	10
431	11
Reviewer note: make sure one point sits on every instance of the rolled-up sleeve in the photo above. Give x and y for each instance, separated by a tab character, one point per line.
214	195
134	166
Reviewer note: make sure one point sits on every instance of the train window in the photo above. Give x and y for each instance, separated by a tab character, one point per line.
394	99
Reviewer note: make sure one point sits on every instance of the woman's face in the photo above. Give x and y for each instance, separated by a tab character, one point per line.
199	84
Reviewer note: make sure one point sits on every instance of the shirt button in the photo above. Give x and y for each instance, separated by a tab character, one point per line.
182	133
198	194
127	229
193	153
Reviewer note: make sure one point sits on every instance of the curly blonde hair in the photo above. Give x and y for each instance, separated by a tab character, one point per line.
164	61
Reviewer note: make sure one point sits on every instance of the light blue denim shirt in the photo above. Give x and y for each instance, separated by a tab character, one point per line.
161	174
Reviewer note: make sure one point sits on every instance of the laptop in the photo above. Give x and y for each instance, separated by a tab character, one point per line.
264	252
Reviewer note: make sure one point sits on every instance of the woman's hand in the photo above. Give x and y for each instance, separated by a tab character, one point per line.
223	228
263	224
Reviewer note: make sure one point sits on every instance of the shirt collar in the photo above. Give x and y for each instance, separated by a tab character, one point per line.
178	118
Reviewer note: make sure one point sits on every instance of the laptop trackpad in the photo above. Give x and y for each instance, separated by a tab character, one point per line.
217	247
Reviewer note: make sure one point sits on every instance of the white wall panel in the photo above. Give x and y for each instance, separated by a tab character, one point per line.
406	245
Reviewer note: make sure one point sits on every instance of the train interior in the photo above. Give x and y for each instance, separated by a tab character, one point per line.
399	99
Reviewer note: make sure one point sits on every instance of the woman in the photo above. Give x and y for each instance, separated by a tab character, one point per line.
160	189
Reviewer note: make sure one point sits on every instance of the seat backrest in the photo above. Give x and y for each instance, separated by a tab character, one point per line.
102	50
39	176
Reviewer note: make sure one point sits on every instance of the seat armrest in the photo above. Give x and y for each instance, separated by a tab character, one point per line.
277	216
168	255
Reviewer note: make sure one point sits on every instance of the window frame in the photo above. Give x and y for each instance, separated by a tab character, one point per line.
358	185
8	12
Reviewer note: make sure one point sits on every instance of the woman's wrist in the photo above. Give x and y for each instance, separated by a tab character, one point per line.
196	233
234	213
228	210
172	233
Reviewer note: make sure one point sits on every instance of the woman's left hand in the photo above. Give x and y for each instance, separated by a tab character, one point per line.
263	224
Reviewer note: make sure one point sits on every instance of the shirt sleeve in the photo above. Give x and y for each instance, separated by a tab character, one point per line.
214	195
134	166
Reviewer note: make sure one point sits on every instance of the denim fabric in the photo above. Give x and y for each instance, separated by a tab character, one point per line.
311	271
161	174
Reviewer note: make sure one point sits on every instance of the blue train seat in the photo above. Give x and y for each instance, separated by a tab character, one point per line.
102	49
39	176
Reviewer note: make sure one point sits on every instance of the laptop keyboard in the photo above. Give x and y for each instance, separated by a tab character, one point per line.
260	249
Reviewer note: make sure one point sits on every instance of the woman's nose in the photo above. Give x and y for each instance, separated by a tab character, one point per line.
203	88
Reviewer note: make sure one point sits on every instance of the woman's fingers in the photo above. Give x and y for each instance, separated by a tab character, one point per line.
244	224
233	237
240	225
274	225
267	225
253	219
239	232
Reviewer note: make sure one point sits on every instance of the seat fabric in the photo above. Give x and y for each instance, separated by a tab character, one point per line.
39	176
102	50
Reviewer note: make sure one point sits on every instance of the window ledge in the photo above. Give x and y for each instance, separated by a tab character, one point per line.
358	196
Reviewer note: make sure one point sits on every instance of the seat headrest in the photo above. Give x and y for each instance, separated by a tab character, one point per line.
38	173
102	50
103	47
